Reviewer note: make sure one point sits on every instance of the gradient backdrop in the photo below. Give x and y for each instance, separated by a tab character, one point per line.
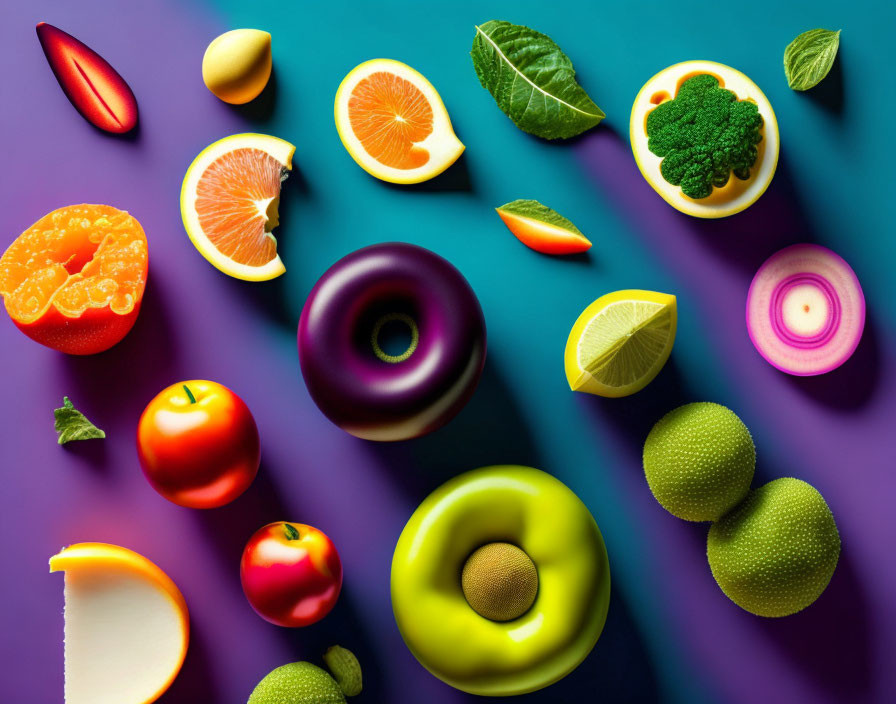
672	636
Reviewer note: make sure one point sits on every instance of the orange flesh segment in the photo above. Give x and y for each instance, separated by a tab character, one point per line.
231	198
75	258
389	115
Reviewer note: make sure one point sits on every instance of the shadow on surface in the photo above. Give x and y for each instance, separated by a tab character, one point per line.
229	528
830	641
261	109
272	297
851	385
342	626
829	94
455	178
617	670
489	430
143	363
746	239
632	417
132	136
196	681
635	415
90	452
773	222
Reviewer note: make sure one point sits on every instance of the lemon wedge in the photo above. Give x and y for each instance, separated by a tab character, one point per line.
620	342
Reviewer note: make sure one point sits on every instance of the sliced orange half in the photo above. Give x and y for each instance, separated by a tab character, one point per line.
229	203
394	124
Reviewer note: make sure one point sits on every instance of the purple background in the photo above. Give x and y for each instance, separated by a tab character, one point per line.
671	634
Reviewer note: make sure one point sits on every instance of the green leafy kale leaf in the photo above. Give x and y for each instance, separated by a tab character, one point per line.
704	135
532	81
71	424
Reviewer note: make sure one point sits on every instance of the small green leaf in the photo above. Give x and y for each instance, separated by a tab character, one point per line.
532	81
536	211
345	668
291	532
71	424
809	57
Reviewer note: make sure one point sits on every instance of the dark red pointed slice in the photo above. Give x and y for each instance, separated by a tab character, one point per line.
96	89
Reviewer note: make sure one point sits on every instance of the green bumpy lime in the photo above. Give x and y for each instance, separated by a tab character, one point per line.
776	552
699	461
297	683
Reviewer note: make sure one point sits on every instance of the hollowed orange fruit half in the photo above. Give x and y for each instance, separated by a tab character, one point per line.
74	280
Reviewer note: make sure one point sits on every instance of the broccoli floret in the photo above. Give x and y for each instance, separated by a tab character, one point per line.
704	135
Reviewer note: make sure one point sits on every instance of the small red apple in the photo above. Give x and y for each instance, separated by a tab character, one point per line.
291	574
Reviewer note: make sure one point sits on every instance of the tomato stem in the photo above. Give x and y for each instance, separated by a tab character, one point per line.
291	532
189	394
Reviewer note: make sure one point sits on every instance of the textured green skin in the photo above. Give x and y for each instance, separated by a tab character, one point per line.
704	135
699	461
776	552
532	81
297	683
345	668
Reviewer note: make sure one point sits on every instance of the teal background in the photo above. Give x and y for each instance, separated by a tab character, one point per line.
672	636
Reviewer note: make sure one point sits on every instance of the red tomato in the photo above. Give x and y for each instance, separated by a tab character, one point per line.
198	444
291	574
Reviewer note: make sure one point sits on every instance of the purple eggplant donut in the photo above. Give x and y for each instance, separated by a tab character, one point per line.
363	389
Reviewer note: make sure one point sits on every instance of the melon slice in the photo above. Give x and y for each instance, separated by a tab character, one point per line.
126	625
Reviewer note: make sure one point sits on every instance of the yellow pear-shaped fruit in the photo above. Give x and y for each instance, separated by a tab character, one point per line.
237	65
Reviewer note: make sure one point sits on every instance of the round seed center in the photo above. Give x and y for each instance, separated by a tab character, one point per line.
499	581
805	310
394	332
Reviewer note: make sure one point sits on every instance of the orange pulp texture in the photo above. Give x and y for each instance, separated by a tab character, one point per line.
388	115
232	199
74	280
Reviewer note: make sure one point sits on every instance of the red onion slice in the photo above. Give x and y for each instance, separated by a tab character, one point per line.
805	310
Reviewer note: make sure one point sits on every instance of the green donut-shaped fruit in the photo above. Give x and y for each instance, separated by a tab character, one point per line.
544	545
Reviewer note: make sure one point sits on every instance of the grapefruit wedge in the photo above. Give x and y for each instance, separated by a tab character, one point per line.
126	625
229	204
394	124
